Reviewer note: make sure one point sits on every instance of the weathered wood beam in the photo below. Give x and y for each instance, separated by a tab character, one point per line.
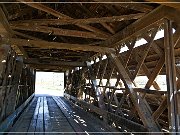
127	4
103	71
160	109
15	80
24	53
25	35
4	9
153	19
155	46
155	72
148	73
55	45
55	63
77	21
161	61
19	13
171	77
57	14
146	50
138	102
126	68
113	94
51	68
98	92
148	21
110	73
93	14
170	3
98	67
5	29
130	47
173	14
120	120
149	91
59	32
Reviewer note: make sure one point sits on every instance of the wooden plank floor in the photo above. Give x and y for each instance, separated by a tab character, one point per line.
56	115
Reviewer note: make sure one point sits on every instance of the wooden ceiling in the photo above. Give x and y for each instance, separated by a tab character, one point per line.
52	32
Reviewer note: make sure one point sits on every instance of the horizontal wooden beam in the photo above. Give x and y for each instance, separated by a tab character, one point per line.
56	45
25	35
76	21
170	3
50	68
148	91
57	14
127	4
19	13
52	62
59	32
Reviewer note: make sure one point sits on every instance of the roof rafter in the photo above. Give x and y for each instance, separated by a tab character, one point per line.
78	21
25	35
58	31
5	29
51	67
93	14
151	19
53	63
56	45
19	13
4	25
127	4
170	3
62	16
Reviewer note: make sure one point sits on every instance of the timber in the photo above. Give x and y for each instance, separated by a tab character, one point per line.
77	21
61	32
170	3
136	6
4	25
171	74
120	60
45	44
55	63
60	15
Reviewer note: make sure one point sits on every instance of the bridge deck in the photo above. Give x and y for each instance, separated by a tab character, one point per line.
56	114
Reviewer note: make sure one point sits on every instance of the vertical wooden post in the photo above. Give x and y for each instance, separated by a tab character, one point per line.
34	80
171	77
65	79
99	94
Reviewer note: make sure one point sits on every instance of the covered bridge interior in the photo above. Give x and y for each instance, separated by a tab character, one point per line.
96	43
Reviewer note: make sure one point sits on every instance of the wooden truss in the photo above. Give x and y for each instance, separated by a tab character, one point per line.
120	66
122	103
